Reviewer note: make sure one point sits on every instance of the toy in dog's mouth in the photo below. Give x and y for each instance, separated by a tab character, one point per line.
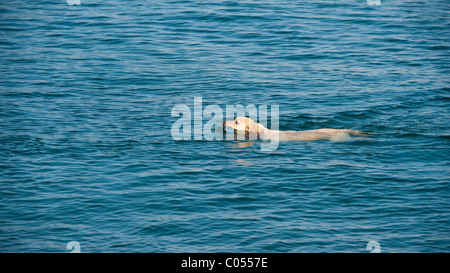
230	130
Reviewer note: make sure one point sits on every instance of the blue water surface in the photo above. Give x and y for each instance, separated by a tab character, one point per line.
87	155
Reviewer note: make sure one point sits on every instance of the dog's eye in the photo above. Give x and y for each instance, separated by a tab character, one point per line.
237	122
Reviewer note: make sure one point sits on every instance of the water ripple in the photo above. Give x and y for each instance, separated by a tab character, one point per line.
86	153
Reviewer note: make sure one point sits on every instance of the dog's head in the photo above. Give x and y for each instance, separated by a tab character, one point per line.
244	124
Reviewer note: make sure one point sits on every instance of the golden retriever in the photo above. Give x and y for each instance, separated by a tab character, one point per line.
249	127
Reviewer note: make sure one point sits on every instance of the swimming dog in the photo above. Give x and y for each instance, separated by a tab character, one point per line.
250	127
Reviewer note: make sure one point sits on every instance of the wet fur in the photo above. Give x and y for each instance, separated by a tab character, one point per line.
250	127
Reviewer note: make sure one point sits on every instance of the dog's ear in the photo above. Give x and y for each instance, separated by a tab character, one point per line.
251	126
256	127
